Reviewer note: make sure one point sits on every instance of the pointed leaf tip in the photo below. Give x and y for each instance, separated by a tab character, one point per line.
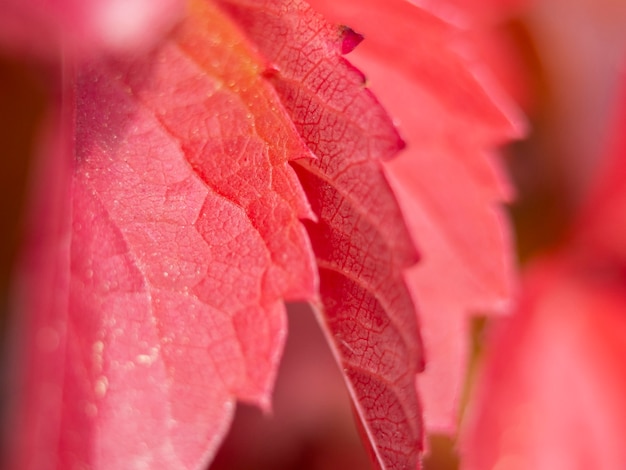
350	39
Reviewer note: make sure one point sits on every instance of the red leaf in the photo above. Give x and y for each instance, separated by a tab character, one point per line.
447	181
164	301
551	394
360	241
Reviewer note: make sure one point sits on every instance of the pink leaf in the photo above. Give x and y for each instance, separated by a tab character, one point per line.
551	394
447	181
360	241
600	231
179	241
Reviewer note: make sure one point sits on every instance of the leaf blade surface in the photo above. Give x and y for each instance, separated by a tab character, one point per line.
176	278
447	180
360	240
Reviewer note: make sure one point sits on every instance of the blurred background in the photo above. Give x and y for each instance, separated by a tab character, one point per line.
561	61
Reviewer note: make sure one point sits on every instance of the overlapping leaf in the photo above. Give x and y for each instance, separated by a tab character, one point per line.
550	394
447	181
181	239
556	367
360	241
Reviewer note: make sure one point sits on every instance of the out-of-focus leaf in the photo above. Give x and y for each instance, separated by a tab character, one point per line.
551	394
473	11
164	254
85	26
